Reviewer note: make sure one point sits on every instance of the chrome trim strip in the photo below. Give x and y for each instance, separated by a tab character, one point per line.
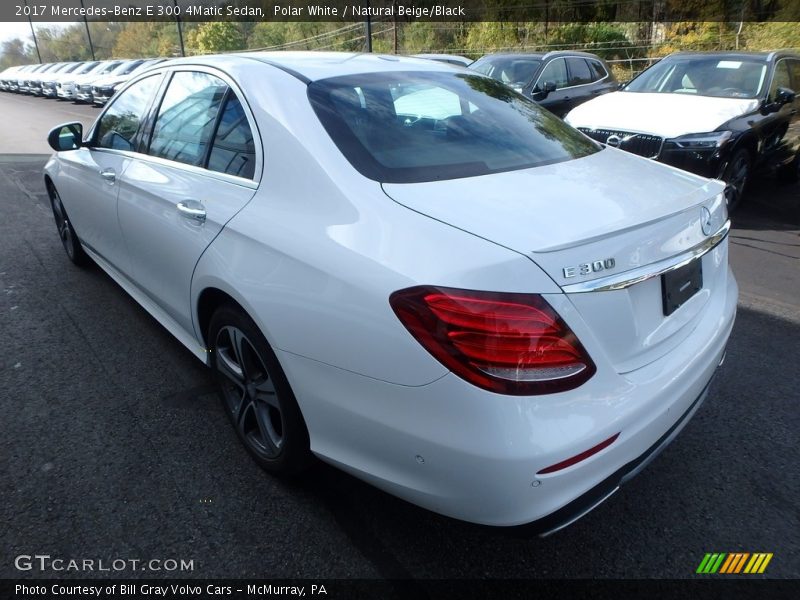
628	278
178	166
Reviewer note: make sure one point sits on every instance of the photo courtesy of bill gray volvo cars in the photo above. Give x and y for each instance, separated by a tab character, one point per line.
409	271
718	114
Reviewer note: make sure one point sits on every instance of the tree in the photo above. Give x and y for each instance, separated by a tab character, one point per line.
219	36
14	52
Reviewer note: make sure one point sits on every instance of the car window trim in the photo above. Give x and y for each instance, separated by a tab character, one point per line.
774	72
566	66
166	75
236	90
569	71
90	138
547	64
217	117
147	158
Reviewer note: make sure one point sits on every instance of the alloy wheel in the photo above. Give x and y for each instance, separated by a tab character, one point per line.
249	393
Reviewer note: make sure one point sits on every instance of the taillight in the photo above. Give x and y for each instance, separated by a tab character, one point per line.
507	343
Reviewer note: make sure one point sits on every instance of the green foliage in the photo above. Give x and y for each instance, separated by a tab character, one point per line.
628	41
770	36
146	39
219	36
607	40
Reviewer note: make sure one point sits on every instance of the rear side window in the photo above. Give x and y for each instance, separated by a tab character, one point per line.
233	151
405	127
120	123
598	70
187	117
579	73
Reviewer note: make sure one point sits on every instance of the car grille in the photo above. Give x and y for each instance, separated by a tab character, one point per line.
86	88
642	144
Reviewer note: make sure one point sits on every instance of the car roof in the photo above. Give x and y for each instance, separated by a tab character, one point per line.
540	55
735	54
311	66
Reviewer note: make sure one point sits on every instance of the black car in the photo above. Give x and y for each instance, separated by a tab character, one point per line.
718	114
559	81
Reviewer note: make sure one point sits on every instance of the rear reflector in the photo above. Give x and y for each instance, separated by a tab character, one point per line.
512	344
579	457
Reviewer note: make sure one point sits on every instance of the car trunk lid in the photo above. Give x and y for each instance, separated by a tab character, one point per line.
606	217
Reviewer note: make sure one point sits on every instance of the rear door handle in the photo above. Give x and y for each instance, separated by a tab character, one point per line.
110	175
192	209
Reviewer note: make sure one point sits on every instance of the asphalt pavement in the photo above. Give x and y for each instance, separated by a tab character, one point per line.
113	444
28	120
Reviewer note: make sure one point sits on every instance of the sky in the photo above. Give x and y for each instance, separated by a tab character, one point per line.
10	30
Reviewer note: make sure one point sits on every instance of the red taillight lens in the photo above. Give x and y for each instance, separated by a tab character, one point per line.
506	343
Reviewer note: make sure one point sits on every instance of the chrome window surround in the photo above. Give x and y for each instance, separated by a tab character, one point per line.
626	279
570	87
166	72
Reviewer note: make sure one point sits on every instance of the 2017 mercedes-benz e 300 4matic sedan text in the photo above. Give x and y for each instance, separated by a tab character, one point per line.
409	271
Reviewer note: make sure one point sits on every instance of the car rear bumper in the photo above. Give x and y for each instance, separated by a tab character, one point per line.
477	456
590	500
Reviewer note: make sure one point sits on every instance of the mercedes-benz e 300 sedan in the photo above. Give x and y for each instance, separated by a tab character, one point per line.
409	271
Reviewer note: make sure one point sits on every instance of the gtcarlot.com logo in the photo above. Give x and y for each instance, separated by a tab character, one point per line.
734	563
45	562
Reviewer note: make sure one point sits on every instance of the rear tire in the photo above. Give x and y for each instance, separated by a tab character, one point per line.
256	394
69	239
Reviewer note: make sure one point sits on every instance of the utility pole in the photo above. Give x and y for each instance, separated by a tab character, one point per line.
88	35
180	28
368	26
394	28
33	33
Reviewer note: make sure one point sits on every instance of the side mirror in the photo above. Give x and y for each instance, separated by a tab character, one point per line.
541	92
66	137
784	96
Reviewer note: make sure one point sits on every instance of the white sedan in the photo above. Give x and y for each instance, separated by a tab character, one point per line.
408	271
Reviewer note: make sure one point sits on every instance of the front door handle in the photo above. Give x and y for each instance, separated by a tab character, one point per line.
110	175
192	209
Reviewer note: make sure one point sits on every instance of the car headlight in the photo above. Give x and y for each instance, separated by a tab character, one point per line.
700	141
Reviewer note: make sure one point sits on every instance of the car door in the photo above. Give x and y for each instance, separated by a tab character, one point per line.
91	174
793	133
201	168
558	100
580	79
778	145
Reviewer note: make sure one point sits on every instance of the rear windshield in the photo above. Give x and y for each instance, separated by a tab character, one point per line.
411	127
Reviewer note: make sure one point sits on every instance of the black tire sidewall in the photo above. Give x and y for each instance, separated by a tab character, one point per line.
295	455
726	175
78	257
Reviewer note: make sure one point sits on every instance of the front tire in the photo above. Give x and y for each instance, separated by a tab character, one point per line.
69	239
737	176
256	394
790	173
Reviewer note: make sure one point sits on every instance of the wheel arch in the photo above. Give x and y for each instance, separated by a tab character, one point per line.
747	141
48	183
208	301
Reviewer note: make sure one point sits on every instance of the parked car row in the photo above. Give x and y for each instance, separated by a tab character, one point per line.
92	82
721	115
